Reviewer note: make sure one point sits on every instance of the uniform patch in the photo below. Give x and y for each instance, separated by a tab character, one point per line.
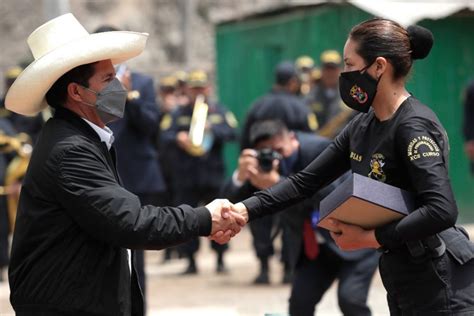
422	147
166	122
231	120
183	120
215	119
355	156
376	165
313	122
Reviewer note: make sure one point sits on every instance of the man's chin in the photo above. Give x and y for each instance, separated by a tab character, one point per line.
107	118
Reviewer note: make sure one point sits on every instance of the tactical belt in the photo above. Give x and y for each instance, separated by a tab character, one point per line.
432	246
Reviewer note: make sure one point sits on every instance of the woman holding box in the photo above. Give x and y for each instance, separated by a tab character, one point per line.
427	264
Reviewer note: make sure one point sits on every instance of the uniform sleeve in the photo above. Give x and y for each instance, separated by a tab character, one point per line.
169	128
328	166
423	148
90	194
224	128
143	113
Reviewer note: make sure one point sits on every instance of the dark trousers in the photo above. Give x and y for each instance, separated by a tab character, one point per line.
197	197
262	230
4	226
314	277
428	287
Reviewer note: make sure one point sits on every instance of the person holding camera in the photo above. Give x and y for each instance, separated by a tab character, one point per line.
316	259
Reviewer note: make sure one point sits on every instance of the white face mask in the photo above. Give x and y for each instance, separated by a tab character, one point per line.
110	101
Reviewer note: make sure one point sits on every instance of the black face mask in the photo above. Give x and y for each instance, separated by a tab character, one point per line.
358	89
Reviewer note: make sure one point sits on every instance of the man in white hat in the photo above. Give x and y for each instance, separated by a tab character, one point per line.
75	221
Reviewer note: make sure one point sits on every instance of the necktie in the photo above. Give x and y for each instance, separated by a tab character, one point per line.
311	247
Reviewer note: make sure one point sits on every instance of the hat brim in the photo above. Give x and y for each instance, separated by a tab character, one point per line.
27	94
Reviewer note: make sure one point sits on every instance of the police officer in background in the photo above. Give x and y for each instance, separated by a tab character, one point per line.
198	174
304	66
167	100
281	103
468	131
22	124
324	99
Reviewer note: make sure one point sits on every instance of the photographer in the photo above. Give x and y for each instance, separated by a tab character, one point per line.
277	153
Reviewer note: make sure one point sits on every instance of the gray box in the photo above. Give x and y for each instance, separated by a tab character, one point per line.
365	202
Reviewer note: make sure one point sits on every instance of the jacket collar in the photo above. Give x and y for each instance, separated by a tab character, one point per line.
75	120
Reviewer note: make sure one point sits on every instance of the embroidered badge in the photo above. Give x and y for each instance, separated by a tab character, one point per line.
358	94
422	147
376	165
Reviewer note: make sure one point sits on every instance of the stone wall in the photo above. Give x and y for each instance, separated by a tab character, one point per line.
175	42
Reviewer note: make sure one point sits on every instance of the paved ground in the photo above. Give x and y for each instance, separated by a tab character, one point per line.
225	295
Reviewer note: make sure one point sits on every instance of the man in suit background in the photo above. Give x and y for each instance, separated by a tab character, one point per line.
135	142
317	260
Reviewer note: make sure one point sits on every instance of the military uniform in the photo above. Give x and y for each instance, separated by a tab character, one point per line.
196	179
468	123
325	102
7	129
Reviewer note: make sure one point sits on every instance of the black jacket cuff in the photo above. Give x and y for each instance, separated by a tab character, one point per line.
205	221
252	204
388	237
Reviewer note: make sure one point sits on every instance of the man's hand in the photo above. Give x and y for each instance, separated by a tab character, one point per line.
352	237
183	140
226	222
247	163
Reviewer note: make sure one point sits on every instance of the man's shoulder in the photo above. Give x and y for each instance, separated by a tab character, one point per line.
310	142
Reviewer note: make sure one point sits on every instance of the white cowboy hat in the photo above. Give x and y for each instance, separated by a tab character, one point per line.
58	46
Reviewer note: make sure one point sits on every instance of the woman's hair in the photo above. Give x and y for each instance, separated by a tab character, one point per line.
385	38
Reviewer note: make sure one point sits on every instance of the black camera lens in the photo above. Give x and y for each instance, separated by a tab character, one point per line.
266	157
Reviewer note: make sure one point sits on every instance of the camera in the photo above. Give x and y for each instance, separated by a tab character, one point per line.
265	158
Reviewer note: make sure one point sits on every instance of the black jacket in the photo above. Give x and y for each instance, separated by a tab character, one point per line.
74	222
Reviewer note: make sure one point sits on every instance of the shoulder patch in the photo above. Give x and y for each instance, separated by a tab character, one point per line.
166	122
422	147
231	120
313	121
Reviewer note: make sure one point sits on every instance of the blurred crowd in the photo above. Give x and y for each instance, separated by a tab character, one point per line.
170	147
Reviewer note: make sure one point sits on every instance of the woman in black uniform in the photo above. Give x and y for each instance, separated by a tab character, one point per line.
427	264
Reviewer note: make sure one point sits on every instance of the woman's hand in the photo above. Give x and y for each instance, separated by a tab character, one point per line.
352	237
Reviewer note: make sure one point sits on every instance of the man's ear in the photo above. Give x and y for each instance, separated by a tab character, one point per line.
73	91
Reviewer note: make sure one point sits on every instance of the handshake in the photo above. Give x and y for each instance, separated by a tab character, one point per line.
227	219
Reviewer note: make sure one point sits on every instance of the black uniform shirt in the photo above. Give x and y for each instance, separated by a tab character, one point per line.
410	151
